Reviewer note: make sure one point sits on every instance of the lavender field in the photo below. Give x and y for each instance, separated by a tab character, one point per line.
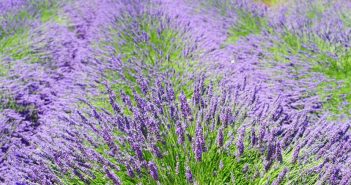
175	92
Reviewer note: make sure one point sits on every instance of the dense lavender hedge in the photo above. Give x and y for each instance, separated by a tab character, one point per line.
174	92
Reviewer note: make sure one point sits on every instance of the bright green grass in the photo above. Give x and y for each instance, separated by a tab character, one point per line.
290	44
48	11
336	96
16	46
338	68
247	24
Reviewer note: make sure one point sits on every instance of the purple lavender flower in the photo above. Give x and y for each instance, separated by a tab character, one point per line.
240	142
198	150
253	137
170	93
210	91
278	153
130	171
112	176
145	36
213	108
160	89
141	103
185	106
197	93
189	175
152	126
295	154
220	137
146	126
270	151
126	100
138	151
199	145
112	98
346	179
173	111
267	164
280	177
225	115
143	84
180	132
262	134
153	171
156	151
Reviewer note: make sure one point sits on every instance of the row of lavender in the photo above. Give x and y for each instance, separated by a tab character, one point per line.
46	59
152	113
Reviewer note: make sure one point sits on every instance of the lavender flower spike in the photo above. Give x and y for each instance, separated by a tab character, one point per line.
281	176
278	153
189	175
240	143
112	176
185	106
220	137
180	132
153	171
